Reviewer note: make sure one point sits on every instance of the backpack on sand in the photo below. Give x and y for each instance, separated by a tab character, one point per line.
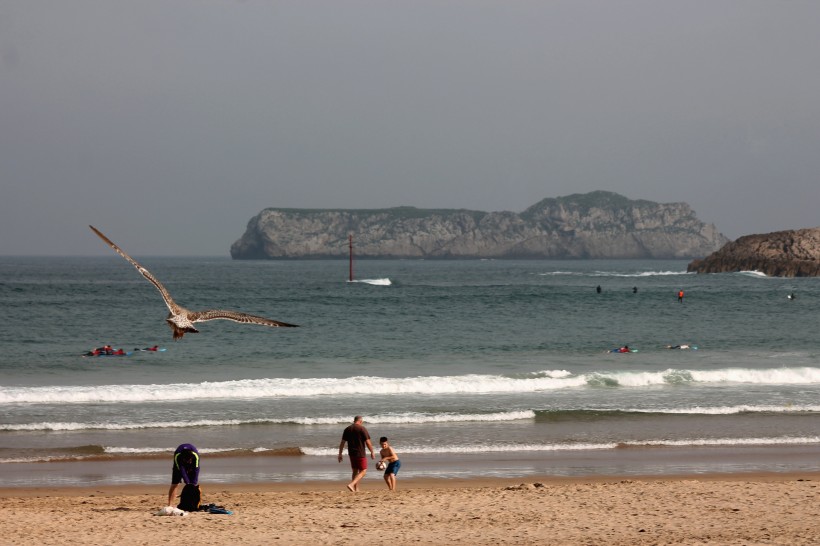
190	498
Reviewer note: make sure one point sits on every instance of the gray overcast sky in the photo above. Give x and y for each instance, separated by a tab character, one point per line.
168	124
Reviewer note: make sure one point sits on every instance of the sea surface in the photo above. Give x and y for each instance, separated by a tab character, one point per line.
470	367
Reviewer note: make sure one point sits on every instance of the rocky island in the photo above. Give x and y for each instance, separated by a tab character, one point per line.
791	253
594	225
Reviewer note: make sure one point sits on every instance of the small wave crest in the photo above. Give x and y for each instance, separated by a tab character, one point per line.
393	419
92	453
100	453
477	449
374	282
256	389
725	442
753	273
767	376
639	379
468	449
586	414
638	274
253	389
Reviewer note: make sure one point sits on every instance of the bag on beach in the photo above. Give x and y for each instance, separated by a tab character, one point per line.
190	498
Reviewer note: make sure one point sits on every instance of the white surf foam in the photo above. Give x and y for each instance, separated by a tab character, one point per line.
374	282
255	389
730	410
753	274
468	449
397	418
614	274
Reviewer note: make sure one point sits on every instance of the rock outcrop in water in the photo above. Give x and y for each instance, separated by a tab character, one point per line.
593	225
792	253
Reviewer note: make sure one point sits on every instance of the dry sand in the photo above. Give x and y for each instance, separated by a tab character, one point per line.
736	509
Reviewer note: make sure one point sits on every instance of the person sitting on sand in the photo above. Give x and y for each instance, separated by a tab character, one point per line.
185	469
388	455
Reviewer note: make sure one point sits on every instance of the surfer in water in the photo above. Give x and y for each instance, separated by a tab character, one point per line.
104	350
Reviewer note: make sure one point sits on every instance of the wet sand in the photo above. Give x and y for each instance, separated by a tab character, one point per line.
524	466
748	508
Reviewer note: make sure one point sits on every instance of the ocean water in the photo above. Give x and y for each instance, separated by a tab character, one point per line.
472	368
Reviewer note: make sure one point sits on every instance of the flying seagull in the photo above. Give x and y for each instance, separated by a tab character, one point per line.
182	320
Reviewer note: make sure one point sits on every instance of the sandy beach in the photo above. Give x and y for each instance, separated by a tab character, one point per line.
714	509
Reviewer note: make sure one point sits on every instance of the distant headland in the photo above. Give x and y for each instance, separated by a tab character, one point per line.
791	253
593	225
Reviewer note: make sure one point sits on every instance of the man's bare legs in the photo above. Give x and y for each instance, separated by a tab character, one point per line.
357	477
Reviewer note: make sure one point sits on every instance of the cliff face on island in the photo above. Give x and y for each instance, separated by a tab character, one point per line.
792	253
593	225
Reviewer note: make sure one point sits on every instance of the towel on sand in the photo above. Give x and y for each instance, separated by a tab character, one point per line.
171	511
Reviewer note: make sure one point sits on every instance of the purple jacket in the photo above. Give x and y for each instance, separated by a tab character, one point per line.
189	472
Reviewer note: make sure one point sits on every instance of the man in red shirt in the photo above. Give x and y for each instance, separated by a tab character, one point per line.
357	439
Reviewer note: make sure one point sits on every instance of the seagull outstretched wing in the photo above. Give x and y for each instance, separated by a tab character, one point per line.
236	316
169	301
180	319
